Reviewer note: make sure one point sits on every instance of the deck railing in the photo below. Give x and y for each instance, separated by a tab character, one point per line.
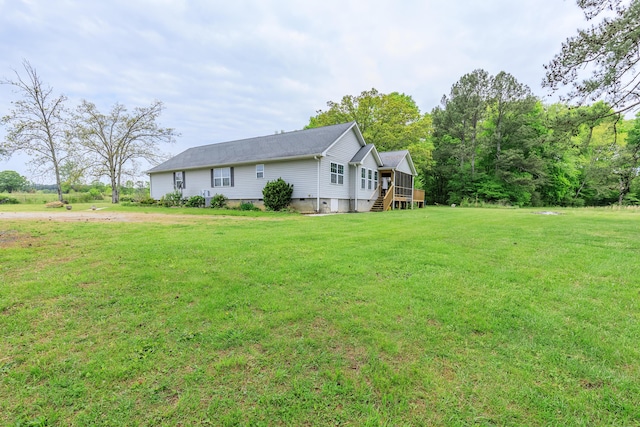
388	199
418	196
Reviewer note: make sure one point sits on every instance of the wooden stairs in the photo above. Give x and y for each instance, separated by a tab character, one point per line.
378	205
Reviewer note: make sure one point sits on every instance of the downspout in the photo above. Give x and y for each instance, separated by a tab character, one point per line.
318	186
355	189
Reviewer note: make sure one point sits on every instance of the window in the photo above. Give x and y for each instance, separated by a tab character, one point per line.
375	180
222	177
259	171
178	180
370	180
337	173
363	180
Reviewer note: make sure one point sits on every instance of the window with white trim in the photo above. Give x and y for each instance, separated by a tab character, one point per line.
337	173
370	180
259	171
178	180
375	180
222	177
363	180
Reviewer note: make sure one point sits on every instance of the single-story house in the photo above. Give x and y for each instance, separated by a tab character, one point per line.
332	169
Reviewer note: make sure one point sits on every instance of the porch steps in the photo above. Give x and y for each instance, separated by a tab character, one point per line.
378	205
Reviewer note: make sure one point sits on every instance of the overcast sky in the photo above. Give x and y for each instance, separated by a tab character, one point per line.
227	70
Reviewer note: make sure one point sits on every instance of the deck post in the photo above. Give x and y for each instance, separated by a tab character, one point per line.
412	184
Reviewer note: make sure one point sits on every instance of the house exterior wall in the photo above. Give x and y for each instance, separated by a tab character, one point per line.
161	184
404	167
246	186
302	173
368	163
341	152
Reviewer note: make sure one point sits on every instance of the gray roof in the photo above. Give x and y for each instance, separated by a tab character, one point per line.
392	159
290	145
362	153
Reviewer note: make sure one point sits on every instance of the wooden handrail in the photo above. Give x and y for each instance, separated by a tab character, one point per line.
388	199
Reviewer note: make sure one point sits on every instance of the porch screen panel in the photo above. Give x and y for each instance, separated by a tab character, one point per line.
403	185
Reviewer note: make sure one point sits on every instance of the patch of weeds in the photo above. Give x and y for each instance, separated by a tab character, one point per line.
35	422
9	201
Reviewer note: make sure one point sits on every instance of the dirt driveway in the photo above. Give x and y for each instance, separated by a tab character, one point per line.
103	215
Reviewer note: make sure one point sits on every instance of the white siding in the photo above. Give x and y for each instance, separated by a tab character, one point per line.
404	166
196	181
161	184
368	163
301	173
341	152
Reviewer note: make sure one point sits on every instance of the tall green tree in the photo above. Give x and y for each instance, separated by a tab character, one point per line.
487	137
595	145
11	181
465	110
513	136
390	121
510	102
114	141
627	161
601	63
37	124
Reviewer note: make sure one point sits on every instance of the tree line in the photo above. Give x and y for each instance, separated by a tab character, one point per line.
74	142
491	140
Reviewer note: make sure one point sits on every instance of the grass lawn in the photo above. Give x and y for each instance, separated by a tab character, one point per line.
436	316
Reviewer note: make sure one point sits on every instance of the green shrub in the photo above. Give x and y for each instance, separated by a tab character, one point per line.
195	202
248	206
172	199
79	198
277	194
147	201
95	194
218	201
6	200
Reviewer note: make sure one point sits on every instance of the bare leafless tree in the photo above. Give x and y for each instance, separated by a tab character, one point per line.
114	141
37	124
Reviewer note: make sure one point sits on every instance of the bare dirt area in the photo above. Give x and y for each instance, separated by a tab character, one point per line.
106	216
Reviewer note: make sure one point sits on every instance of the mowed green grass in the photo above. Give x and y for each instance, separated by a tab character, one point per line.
436	316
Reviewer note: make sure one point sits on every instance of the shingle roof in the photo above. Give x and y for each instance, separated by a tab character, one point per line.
296	144
362	153
392	159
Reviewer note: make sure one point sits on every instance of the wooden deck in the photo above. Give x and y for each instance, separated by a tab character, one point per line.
418	197
393	200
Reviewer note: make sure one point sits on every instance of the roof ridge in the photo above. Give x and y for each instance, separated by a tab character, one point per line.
272	135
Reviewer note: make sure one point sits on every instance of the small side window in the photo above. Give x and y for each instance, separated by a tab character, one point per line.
178	180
